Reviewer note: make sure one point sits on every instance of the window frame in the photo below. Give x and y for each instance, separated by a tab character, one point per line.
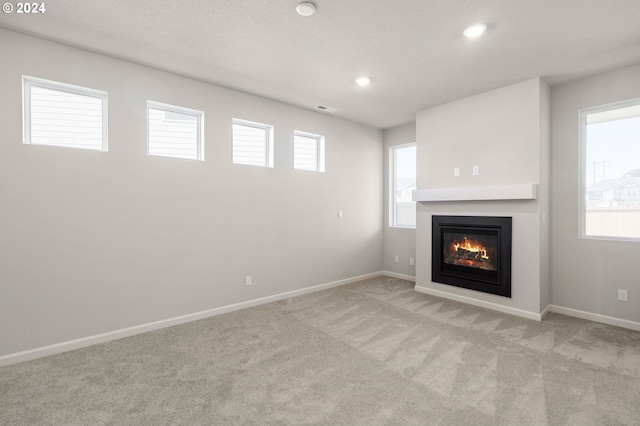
320	151
199	115
269	144
28	82
392	189
583	168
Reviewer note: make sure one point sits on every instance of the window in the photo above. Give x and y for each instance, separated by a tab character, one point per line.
402	170
60	114
252	143
308	152
174	131
610	142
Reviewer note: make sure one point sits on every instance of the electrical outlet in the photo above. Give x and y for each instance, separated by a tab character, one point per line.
476	170
456	171
247	280
397	259
622	295
412	261
340	214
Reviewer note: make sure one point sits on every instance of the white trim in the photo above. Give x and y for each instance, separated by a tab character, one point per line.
320	154
546	311
156	325
199	115
604	319
28	82
489	305
268	128
393	157
525	191
583	168
400	276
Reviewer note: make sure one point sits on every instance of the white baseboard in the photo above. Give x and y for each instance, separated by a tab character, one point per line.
483	304
604	319
545	311
156	325
401	276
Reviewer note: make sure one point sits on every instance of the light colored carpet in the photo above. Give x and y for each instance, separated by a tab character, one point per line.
372	352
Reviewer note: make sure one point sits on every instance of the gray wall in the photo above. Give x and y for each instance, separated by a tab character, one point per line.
586	273
93	242
397	241
504	132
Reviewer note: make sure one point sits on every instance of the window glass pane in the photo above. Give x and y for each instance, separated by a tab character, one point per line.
612	173
61	118
308	152
403	209
305	152
176	116
174	134
251	144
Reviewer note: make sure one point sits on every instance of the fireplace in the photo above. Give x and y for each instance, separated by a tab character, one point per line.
473	252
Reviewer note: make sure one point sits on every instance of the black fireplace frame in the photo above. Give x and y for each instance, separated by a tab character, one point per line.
494	282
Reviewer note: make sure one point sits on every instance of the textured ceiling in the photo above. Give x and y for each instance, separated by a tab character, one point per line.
413	50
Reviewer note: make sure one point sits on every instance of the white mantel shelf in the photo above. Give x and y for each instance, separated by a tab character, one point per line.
478	193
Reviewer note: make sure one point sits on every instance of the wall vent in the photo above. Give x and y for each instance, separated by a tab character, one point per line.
325	108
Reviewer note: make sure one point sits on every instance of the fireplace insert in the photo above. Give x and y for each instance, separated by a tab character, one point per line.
473	252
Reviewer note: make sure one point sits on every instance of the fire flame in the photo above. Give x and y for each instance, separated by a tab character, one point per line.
473	248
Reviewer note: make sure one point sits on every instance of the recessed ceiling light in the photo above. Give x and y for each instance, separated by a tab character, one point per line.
363	81
474	31
306	9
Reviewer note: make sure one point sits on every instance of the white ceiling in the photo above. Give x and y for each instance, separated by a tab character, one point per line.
413	50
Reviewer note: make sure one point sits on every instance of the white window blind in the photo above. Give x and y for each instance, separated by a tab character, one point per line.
174	131
252	143
308	152
60	114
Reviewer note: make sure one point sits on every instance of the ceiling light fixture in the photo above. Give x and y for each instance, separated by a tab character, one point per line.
474	31
363	81
306	9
